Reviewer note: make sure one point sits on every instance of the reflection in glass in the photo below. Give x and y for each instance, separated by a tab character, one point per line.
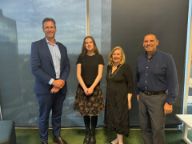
20	24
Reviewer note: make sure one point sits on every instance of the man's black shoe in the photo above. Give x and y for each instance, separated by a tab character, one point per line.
59	140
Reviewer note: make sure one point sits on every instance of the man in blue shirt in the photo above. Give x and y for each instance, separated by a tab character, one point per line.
157	87
50	67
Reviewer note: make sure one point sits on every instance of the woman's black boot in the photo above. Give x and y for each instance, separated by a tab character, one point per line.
92	137
87	136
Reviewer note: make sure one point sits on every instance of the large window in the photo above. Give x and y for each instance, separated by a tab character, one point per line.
187	99
20	24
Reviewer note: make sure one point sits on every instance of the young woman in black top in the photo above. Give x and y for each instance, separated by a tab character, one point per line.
89	97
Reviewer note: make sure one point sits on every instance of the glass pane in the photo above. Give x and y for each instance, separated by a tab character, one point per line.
100	24
20	24
189	64
189	101
100	29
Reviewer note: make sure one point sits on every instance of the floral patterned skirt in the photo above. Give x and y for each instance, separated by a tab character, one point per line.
89	105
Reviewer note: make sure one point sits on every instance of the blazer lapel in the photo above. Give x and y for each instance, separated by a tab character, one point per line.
47	51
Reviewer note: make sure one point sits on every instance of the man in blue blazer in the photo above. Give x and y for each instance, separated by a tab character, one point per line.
50	66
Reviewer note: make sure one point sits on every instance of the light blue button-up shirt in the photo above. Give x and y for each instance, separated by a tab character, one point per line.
56	57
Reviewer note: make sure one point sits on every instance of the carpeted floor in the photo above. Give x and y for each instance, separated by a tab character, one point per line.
75	136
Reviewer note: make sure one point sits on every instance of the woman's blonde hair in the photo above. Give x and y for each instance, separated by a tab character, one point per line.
122	55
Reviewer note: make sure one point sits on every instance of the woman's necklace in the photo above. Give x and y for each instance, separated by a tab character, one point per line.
115	67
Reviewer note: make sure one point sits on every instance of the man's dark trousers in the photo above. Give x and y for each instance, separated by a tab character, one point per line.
47	103
152	118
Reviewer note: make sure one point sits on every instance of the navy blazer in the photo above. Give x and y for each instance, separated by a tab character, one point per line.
42	66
